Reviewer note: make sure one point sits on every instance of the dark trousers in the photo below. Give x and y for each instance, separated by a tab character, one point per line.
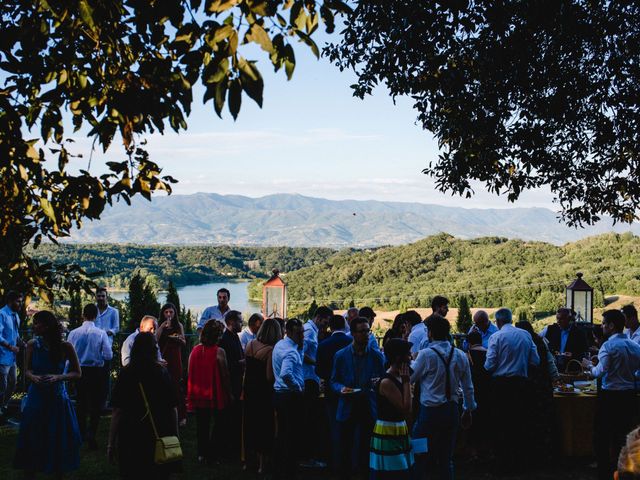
208	436
91	397
439	425
333	453
356	430
614	419
510	422
289	409
311	417
231	427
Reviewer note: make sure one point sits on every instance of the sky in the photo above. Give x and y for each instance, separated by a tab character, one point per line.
311	137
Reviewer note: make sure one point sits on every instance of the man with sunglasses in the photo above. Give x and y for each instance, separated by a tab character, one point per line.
355	369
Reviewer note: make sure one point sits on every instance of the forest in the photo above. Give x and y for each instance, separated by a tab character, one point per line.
489	272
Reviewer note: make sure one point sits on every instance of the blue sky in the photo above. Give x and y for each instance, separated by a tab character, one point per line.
311	137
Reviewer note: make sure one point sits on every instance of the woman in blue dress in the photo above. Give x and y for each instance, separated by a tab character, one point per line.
49	438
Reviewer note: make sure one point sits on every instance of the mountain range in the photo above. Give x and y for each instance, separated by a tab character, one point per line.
297	220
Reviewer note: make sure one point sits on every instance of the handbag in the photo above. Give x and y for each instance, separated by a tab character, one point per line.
168	448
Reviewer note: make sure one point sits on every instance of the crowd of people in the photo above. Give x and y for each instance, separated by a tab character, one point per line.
280	394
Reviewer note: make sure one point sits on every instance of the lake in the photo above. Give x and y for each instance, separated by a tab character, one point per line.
198	297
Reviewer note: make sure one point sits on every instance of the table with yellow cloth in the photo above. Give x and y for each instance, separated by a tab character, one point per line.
574	419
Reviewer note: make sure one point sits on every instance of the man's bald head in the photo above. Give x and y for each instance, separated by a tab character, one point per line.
481	320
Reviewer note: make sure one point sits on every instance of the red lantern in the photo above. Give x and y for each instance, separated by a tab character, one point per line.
274	297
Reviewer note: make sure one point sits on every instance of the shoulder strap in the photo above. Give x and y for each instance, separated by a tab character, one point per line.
447	363
146	404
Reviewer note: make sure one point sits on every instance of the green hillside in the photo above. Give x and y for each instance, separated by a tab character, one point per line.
491	272
181	264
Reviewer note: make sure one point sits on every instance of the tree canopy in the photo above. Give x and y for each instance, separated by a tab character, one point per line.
120	69
519	95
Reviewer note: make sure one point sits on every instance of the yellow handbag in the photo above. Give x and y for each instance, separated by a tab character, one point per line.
167	449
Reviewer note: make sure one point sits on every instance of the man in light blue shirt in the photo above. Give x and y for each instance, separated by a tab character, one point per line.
148	324
631	324
617	365
9	347
510	352
108	318
319	322
251	330
419	332
483	325
94	351
216	312
288	399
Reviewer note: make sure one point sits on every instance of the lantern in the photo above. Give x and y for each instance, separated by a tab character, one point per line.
274	297
580	299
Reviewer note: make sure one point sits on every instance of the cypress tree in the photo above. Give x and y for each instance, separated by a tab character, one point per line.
75	309
136	300
172	295
464	321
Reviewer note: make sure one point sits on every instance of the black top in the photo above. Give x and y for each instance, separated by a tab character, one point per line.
386	411
576	342
230	343
136	440
327	350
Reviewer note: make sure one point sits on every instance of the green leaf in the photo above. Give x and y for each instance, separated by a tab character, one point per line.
220	95
47	209
252	82
235	97
289	61
86	14
259	35
307	39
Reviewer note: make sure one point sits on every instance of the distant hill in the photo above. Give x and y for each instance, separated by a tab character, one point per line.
490	272
296	220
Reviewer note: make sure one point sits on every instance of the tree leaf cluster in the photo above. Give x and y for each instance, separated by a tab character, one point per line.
519	95
121	70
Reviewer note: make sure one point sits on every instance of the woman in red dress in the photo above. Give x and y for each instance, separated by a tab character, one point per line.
208	389
171	340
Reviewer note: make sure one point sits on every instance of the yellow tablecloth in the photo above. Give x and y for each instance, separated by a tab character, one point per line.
574	418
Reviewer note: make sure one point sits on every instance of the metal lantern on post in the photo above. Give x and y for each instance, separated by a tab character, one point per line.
580	299
274	297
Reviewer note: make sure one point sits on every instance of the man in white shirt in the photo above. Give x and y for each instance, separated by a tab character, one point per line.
108	318
419	332
148	324
249	332
216	312
617	365
510	352
94	350
631	324
441	370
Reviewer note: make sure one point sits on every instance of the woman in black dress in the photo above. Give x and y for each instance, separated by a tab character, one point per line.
131	434
259	421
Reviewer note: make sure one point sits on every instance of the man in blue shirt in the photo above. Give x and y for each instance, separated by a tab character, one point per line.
355	369
482	325
9	346
617	365
216	312
94	350
327	350
510	352
288	399
312	407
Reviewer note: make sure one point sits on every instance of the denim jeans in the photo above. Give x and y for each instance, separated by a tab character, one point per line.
440	426
7	383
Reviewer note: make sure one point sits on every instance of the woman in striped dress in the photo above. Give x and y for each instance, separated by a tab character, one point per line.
391	455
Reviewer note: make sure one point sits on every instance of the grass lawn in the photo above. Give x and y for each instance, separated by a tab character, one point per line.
94	465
